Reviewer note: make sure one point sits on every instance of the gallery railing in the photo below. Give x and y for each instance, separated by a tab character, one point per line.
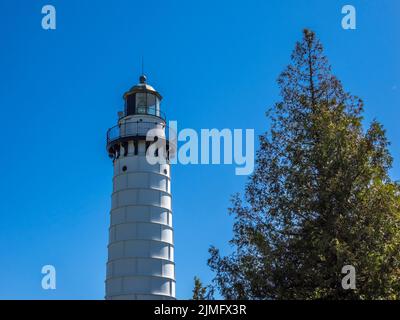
136	129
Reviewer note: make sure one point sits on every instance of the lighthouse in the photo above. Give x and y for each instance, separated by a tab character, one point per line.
140	262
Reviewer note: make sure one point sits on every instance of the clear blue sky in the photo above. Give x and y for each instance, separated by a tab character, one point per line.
215	62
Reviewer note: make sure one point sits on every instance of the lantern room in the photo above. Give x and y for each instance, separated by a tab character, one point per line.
142	99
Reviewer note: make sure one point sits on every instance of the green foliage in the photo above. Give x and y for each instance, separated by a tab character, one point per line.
200	292
320	197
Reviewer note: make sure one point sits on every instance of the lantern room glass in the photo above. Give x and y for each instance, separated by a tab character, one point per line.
147	103
151	104
141	104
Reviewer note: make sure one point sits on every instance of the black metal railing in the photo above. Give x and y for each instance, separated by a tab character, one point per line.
135	129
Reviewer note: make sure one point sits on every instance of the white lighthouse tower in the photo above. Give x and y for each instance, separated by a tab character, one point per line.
141	248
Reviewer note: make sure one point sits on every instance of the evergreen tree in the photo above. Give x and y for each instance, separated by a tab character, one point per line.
320	197
200	292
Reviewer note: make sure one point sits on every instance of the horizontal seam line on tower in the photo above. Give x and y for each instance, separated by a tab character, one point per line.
141	239
134	205
145	294
118	224
132	222
133	172
141	276
140	205
127	258
114	192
